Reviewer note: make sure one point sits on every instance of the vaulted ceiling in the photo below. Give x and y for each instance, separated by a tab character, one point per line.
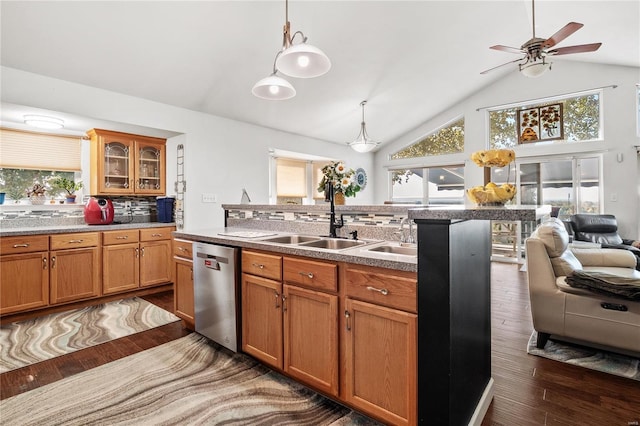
409	59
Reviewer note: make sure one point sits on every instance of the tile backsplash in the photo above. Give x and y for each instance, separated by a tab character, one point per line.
143	209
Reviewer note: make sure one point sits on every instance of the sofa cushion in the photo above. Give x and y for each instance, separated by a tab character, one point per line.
554	236
565	264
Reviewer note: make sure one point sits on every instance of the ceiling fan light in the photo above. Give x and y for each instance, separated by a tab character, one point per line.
303	60
43	122
535	69
273	88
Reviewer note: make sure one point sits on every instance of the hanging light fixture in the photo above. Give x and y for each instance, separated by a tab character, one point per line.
363	142
43	122
300	60
535	68
273	87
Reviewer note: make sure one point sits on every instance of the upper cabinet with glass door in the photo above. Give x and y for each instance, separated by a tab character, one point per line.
126	164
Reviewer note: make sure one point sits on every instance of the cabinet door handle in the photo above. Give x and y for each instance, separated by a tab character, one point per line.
382	291
258	265
142	252
347	315
75	241
20	245
181	248
156	235
284	303
53	262
124	237
44	263
308	274
137	253
277	300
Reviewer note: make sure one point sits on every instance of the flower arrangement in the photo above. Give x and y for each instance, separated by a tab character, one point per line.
341	177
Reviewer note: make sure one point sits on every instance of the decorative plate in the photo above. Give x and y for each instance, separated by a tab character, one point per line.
361	178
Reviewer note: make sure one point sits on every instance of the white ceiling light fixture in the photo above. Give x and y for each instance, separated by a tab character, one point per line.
363	142
43	122
535	68
274	87
300	60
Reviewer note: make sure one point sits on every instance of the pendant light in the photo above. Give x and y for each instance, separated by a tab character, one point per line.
299	60
273	87
363	142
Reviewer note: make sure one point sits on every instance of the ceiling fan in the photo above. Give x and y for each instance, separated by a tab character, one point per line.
536	49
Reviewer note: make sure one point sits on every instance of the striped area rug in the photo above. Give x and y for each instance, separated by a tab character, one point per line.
27	342
595	359
189	381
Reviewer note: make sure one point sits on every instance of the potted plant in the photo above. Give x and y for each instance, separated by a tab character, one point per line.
343	179
36	194
67	185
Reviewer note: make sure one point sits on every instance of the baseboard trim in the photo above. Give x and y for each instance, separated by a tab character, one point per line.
483	405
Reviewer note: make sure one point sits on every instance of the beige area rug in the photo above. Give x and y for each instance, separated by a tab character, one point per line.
583	356
27	342
189	381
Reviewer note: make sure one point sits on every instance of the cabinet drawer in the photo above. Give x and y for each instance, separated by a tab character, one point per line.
318	275
75	240
382	288
262	265
183	248
24	244
154	234
119	237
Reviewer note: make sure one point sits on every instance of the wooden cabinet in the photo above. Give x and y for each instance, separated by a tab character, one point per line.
24	269
125	164
136	258
183	282
380	343
75	266
285	323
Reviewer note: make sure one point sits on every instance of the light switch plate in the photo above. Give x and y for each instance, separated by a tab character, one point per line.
209	198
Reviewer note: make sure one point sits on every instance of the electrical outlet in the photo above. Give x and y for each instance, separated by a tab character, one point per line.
209	198
127	204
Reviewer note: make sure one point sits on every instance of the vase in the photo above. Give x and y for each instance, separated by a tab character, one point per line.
37	199
338	198
71	199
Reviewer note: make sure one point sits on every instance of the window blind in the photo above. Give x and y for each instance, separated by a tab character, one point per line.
39	151
291	178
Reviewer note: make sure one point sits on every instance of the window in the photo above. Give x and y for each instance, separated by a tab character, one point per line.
291	179
443	185
581	117
28	158
446	140
295	178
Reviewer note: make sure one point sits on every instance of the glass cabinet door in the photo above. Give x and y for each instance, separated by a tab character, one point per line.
117	167
150	168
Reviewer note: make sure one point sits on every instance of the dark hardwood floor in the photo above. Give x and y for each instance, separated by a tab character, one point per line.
528	390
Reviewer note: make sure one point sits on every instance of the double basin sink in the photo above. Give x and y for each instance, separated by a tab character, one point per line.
337	244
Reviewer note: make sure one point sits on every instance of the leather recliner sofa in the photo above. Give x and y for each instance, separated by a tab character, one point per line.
574	314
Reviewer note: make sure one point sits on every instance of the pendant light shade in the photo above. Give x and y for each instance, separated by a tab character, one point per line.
535	69
300	60
303	61
363	142
274	88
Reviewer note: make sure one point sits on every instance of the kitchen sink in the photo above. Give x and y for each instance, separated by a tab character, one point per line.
411	250
290	239
333	244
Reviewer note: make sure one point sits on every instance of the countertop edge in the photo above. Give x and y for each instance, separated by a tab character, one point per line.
63	229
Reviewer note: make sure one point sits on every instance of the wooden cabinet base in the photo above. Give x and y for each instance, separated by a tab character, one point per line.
74	305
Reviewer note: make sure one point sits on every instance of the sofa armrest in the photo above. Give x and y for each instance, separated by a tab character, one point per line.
605	257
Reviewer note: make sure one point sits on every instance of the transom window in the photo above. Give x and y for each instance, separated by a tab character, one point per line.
446	140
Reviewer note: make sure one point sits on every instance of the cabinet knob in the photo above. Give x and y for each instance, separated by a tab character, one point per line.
258	265
124	237
307	274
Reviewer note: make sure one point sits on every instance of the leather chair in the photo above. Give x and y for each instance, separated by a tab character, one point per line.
572	314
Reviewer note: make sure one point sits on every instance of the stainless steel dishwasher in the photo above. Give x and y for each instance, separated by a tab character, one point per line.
215	293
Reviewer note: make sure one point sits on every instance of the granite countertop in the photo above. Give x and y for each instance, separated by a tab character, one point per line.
358	255
37	230
507	213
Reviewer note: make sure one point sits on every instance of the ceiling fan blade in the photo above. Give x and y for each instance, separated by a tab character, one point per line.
575	49
506	63
507	49
564	32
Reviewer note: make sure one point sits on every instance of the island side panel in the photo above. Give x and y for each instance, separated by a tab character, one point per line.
454	319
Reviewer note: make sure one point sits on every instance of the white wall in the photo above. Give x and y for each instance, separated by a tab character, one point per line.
620	136
222	156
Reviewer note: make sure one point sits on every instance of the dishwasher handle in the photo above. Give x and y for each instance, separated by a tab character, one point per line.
211	261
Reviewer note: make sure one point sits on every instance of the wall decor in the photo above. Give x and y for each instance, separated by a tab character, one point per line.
361	178
543	123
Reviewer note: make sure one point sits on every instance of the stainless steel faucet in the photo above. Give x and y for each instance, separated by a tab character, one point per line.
409	238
